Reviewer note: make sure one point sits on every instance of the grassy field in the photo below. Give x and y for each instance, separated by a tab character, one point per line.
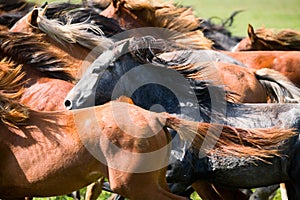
276	14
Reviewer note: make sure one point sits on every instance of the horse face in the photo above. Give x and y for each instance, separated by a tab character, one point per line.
95	84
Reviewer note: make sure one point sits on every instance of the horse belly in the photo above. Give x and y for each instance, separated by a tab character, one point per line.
246	173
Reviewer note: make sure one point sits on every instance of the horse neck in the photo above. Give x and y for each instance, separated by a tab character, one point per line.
43	93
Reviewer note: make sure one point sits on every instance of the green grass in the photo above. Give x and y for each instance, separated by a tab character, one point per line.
275	14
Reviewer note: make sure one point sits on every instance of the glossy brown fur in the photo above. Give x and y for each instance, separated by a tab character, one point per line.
286	62
41	92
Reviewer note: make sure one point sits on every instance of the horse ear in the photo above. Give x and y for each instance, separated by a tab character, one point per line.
251	33
33	17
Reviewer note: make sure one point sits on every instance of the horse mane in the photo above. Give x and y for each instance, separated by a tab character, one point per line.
11	111
287	39
278	87
76	13
85	34
15	6
30	49
167	15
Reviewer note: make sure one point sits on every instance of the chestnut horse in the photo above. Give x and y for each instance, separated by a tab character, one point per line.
268	40
78	147
285	62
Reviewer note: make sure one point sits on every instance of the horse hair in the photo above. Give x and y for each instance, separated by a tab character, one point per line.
30	49
63	12
11	88
285	39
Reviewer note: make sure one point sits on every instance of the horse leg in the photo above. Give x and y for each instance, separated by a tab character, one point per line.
94	190
263	193
293	191
147	186
283	192
212	192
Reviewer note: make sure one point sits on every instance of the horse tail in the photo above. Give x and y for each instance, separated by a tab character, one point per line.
229	141
279	88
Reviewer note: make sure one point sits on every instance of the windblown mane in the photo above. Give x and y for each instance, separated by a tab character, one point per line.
287	39
169	16
75	13
30	49
84	33
12	112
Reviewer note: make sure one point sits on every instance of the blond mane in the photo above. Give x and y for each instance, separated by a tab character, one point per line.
11	111
167	15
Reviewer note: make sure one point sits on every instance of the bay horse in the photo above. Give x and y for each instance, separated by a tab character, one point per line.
80	146
267	40
83	95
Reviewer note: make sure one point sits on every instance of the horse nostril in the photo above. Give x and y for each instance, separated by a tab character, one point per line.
68	104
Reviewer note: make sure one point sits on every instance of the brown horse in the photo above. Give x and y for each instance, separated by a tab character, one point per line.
286	62
47	75
266	39
78	147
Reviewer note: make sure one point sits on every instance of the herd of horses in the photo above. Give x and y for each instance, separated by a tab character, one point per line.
145	95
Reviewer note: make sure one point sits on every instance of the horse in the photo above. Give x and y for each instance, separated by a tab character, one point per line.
80	146
286	62
148	94
47	76
268	40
